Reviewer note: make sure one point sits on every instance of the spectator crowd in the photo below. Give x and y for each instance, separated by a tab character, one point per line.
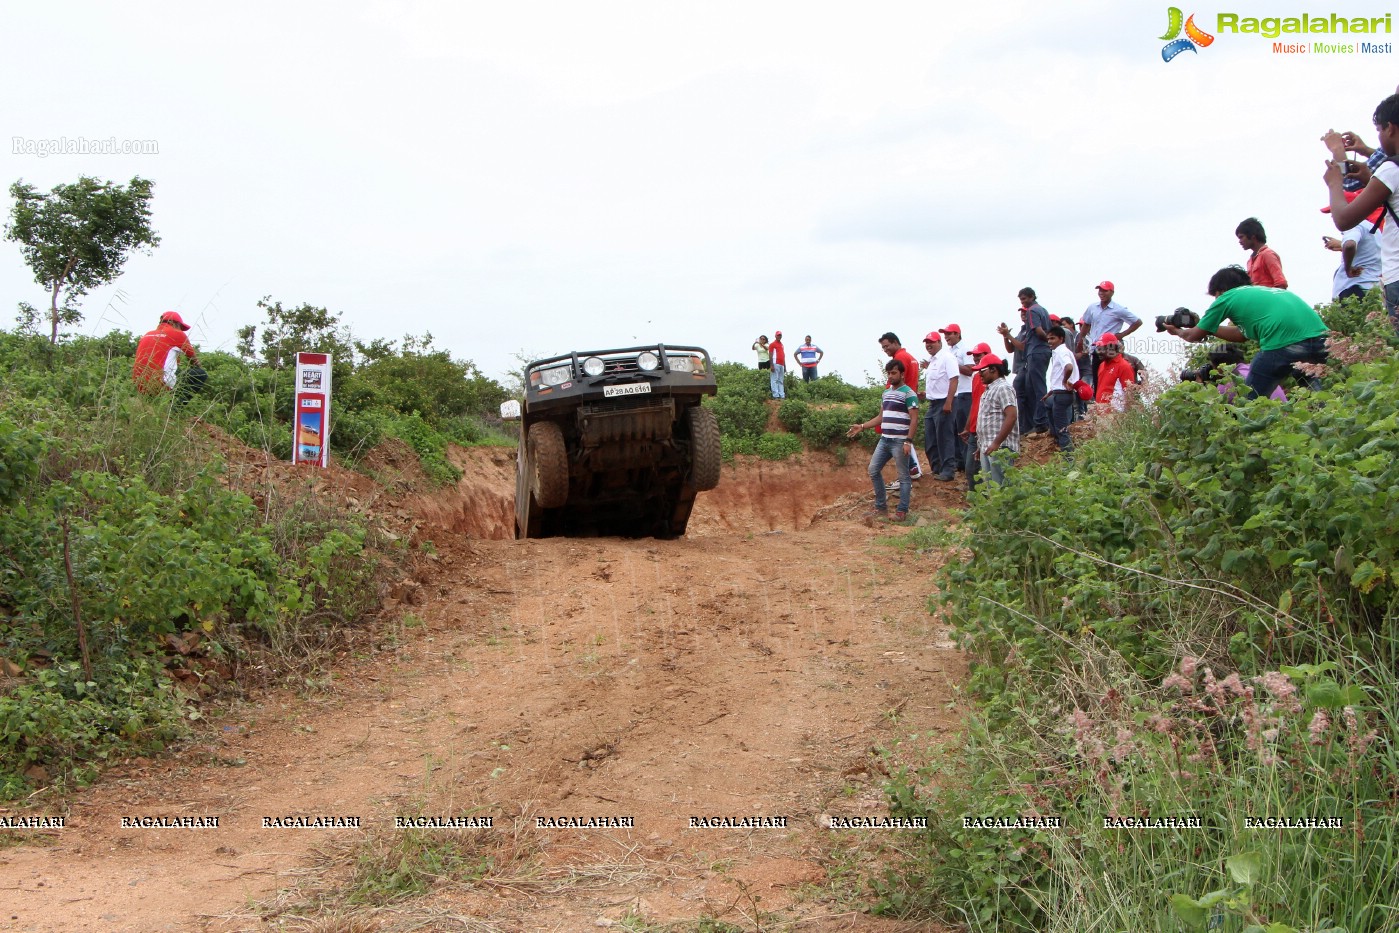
977	404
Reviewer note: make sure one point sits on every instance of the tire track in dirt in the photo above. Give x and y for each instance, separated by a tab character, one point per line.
733	673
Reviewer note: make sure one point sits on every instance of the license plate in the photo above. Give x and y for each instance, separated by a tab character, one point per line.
631	388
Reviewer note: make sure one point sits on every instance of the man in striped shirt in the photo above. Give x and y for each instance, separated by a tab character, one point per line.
897	419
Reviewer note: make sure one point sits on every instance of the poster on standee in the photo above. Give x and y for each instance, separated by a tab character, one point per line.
311	426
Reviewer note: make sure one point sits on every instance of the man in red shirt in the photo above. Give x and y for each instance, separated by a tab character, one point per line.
779	366
890	344
972	461
154	369
1113	371
1264	266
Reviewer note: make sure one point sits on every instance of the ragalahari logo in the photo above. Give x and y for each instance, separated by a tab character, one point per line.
1193	35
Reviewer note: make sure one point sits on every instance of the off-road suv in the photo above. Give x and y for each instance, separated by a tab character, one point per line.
614	442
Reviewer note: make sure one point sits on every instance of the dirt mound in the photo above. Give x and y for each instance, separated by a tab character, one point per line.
482	504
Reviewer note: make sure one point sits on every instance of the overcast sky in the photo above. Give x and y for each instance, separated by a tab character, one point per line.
539	177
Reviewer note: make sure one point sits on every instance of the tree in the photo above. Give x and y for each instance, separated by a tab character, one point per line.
79	236
419	377
289	331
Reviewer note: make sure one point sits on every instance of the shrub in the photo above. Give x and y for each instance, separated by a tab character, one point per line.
739	415
825	427
778	446
1210	631
791	413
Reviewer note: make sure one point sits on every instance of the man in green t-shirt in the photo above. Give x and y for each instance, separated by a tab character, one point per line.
1288	330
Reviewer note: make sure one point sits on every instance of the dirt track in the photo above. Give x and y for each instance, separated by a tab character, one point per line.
745	671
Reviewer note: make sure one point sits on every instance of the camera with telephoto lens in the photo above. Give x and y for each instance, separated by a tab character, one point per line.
1180	317
1218	362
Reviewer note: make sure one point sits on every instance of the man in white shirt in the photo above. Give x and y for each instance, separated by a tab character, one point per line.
940	378
1104	316
1060	377
1359	268
962	402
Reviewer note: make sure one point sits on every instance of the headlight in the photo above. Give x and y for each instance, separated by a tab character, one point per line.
648	360
556	376
682	364
594	366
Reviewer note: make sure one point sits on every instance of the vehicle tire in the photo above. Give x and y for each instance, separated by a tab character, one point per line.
549	465
705	453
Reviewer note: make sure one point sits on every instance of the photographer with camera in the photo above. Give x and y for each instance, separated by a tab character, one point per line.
1220	362
1288	330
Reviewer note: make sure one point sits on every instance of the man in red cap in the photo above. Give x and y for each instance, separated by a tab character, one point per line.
779	366
940	378
971	456
997	423
156	354
1115	375
1104	316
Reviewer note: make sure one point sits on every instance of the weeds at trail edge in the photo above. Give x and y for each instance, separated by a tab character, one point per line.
1210	633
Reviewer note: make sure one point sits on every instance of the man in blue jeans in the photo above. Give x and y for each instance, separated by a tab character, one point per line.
1288	330
897	419
1031	349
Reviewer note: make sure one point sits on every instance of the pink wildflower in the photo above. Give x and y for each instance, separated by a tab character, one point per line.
1159	723
1188	665
1082	725
1356	742
1232	684
1352	723
1278	684
1125	746
1179	682
1319	724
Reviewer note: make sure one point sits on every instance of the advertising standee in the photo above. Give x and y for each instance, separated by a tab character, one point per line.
312	410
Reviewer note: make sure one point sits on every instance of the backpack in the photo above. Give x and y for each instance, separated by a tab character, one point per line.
1388	209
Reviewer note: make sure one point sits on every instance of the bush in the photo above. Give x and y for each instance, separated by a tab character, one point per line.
58	719
1210	631
739	415
824	428
429	444
791	413
828	388
778	446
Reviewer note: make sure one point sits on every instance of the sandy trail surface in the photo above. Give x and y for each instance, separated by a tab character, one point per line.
748	672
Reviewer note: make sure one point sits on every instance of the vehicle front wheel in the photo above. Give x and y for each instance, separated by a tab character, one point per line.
705	453
549	464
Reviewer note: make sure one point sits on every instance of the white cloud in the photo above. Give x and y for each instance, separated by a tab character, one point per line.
542	175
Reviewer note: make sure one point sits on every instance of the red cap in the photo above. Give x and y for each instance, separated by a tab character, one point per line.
981	348
1351	196
1053	318
173	317
1105	284
933	335
951	329
1105	340
989	359
777	333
